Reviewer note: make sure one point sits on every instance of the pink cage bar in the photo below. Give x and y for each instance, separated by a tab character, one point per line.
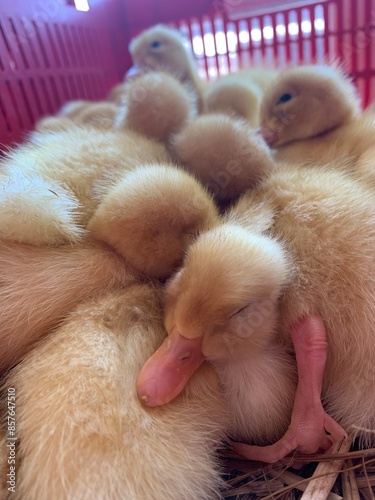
51	53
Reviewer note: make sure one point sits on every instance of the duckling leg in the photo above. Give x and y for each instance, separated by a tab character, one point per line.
307	432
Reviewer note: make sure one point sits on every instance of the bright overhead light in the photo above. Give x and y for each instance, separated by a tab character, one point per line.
82	5
198	46
280	30
244	37
268	32
319	24
221	43
256	35
209	44
232	41
293	29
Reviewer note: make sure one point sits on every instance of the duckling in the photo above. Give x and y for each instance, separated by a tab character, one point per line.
300	251
121	187
162	48
78	411
233	96
257	373
224	153
261	76
312	115
63	120
118	94
100	114
239	94
40	285
71	109
151	227
52	124
158	106
46	195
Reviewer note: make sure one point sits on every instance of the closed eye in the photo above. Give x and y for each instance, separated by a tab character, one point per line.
239	311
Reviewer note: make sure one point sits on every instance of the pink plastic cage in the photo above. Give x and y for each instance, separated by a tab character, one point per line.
50	52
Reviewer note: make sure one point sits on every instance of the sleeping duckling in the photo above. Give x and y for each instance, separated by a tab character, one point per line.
47	186
224	153
157	106
78	411
71	109
296	248
39	286
100	114
261	76
233	96
206	319
311	115
64	118
239	94
162	48
52	124
120	186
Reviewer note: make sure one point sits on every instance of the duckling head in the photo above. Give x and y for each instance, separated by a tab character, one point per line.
307	101
221	304
162	48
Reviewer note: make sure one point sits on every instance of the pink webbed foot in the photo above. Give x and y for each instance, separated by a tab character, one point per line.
309	425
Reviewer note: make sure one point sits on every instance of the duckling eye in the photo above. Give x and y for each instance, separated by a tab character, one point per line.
155	44
239	311
284	98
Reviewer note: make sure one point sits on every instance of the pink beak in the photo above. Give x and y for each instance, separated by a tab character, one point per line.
167	372
269	135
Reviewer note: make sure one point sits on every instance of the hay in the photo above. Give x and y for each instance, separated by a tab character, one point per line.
337	474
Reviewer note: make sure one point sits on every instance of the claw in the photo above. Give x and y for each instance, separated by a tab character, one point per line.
309	422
